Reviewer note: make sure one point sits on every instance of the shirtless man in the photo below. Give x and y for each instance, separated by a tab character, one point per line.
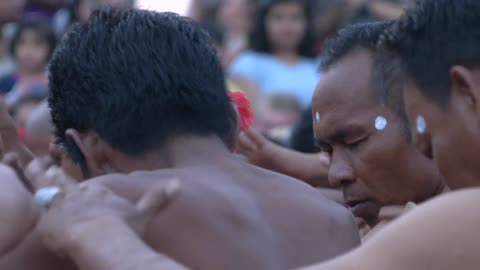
372	157
441	100
137	97
437	45
431	236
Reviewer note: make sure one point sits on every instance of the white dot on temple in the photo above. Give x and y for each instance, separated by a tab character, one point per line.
317	117
421	124
380	123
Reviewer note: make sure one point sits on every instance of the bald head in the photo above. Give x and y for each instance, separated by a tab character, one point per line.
38	130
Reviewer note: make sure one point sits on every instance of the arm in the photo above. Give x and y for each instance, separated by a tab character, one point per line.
11	142
441	235
17	211
311	168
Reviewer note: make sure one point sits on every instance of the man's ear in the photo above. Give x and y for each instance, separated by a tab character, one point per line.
89	146
465	91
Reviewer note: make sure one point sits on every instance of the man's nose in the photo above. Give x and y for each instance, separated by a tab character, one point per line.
341	171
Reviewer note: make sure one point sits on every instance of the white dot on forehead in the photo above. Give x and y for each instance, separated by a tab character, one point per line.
380	123
421	124
317	117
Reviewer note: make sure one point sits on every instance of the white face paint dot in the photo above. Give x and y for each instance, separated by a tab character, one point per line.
380	123
317	117
421	124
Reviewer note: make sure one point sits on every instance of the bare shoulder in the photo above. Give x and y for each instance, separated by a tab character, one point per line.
329	225
209	218
444	228
290	192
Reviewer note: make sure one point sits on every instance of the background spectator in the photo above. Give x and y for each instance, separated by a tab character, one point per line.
23	109
281	51
235	16
42	9
10	10
7	64
277	114
31	47
204	11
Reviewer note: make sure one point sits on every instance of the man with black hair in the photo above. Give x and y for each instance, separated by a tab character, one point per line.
442	234
372	158
437	44
138	97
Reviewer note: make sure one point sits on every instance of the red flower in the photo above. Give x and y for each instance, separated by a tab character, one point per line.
244	109
21	133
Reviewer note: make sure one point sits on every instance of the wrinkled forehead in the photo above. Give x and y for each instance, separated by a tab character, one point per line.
345	92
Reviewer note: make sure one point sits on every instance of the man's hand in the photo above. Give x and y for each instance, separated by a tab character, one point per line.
83	211
256	149
18	214
310	168
387	214
41	173
11	142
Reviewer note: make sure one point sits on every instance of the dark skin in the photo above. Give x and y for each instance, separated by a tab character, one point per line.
450	137
258	150
243	212
451	133
374	168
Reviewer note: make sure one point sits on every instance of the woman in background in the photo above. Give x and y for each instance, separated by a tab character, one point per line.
280	55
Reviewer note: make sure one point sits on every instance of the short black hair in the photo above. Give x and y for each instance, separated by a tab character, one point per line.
258	38
433	36
137	78
349	38
41	28
387	74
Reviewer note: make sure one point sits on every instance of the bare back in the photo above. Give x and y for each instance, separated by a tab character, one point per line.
238	206
235	216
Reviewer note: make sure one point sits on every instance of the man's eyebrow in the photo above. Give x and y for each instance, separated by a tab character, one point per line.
341	134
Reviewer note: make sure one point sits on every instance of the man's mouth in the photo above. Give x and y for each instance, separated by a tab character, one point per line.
362	208
353	203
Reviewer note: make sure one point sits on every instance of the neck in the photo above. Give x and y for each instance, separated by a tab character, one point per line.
289	57
31	73
179	152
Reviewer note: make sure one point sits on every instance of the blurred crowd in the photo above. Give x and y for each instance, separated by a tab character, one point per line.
269	50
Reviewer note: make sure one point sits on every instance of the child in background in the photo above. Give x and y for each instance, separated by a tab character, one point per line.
277	114
281	51
31	48
24	108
